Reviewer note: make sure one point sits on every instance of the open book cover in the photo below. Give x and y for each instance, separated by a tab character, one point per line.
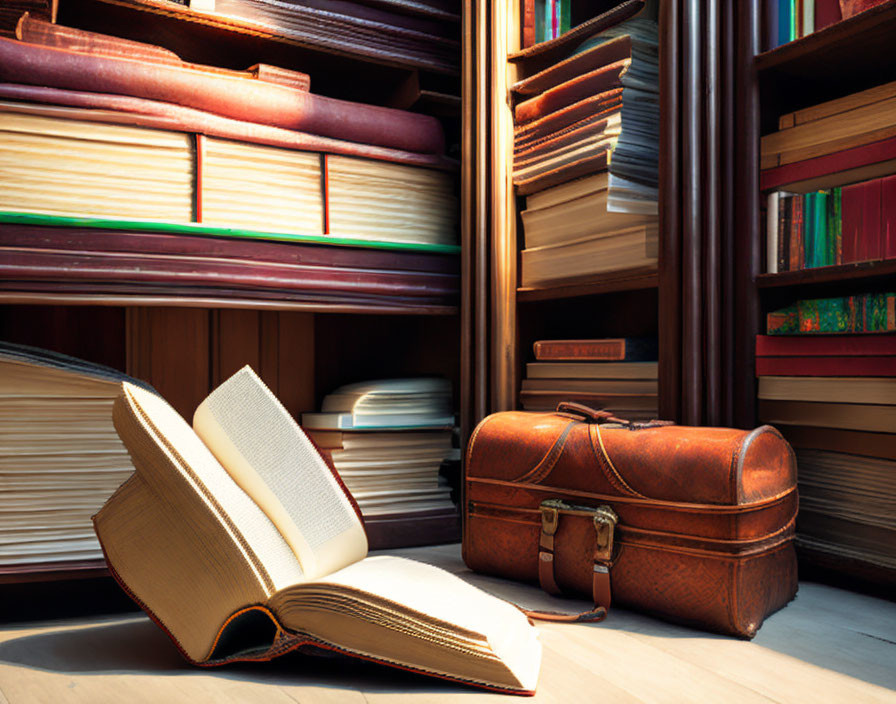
240	541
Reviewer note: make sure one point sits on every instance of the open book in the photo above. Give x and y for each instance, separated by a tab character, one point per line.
239	540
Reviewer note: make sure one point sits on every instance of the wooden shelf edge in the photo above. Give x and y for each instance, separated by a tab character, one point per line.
262	31
820	41
612	282
88	299
829	274
53	572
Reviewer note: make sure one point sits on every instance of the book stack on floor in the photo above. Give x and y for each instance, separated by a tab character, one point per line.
840	225
388	440
60	457
616	375
834	399
586	152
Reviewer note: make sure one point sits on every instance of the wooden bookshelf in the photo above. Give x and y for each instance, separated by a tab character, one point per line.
871	273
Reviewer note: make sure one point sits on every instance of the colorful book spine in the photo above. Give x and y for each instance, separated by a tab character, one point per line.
868	313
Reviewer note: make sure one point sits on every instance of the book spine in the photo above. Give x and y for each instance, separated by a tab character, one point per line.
869	245
785	209
772	238
841	346
837	195
888	217
809	202
528	37
794	21
826	366
539	20
830	237
820	241
793	242
565	19
555	19
798	230
783	322
602	350
808	17
851	219
827	12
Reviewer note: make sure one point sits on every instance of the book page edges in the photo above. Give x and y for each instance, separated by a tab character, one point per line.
339	551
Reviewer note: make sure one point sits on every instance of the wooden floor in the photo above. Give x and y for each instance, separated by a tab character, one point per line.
827	646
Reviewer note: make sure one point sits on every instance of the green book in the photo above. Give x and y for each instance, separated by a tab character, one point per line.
820	236
808	230
565	11
836	228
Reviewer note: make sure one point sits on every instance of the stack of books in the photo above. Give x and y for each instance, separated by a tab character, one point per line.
60	457
616	375
388	440
852	223
586	151
137	136
834	399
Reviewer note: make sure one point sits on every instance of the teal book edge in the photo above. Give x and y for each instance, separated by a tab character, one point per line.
170	228
820	230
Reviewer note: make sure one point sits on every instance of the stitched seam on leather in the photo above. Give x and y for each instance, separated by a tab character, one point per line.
541	470
613	475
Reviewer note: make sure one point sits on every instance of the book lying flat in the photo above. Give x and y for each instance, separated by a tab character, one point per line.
242	544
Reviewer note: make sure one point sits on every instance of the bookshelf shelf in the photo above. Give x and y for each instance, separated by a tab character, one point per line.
843	58
626	280
870	272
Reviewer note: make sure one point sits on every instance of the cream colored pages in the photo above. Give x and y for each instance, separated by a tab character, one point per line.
422	604
272	460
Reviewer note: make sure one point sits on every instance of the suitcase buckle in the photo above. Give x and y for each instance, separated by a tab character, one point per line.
604	518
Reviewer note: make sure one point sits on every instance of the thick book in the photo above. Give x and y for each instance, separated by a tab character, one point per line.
59	458
624	349
591	370
837	345
846	389
242	544
853	442
92	163
848	416
826	366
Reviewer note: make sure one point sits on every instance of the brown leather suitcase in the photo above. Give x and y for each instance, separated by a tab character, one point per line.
692	524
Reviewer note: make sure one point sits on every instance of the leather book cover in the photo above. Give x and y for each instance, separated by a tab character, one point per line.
828	346
579	133
528	37
583	167
594	58
572	91
606	350
888	217
242	99
123	109
588	111
868	244
826	366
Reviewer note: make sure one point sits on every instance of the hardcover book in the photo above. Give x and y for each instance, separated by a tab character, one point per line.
242	544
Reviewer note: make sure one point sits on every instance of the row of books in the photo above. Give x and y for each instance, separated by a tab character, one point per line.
834	399
544	20
586	139
151	138
61	457
865	313
836	226
793	19
618	375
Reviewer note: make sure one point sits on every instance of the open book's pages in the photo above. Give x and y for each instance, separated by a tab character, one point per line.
405	612
59	455
273	461
205	549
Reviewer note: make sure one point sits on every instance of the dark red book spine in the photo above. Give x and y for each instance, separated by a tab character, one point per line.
851	214
888	217
797	234
528	23
864	155
826	366
827	12
826	346
869	235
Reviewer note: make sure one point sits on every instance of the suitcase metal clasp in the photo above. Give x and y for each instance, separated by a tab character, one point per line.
604	518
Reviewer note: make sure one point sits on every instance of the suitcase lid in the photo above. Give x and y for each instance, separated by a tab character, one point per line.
671	463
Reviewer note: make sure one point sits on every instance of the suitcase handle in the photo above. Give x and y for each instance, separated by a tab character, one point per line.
593	415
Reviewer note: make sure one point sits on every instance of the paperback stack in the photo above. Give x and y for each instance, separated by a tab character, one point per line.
388	440
617	375
60	457
852	223
834	399
593	115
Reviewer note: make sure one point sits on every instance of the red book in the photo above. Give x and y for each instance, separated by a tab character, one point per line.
851	203
797	232
888	217
869	236
826	346
854	158
826	366
827	12
528	23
